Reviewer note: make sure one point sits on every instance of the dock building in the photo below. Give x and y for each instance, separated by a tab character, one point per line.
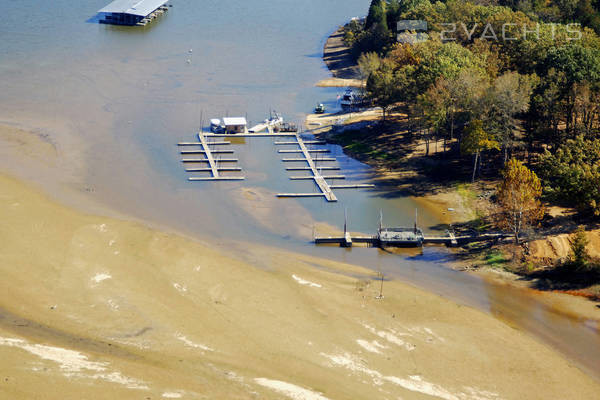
132	12
235	125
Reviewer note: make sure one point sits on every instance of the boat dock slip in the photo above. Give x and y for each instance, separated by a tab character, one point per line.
308	168
304	159
300	195
298	178
208	169
209	158
320	180
258	128
305	142
205	160
379	240
220	178
200	144
208	151
250	134
308	151
305	155
352	186
316	174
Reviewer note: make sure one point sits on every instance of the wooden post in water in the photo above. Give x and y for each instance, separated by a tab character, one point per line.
416	215
347	237
380	295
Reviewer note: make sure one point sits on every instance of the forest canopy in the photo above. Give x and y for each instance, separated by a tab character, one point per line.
523	76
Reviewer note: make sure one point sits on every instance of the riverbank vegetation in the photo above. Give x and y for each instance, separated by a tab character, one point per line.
496	85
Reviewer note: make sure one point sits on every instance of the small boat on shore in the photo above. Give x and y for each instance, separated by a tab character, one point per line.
351	99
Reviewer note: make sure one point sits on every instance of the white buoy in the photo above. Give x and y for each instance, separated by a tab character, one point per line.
190	50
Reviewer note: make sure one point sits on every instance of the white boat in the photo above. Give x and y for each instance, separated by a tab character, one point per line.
351	99
274	120
216	126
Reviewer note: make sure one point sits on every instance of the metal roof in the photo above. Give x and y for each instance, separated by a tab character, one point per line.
133	7
234	121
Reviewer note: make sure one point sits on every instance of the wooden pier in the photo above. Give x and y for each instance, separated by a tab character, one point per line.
250	134
316	175
305	155
209	158
450	240
325	189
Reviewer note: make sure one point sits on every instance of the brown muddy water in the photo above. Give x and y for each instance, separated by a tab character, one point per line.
114	101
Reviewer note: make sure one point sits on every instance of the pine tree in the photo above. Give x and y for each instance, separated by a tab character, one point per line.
377	15
578	256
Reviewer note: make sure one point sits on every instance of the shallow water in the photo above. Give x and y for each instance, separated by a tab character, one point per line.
125	96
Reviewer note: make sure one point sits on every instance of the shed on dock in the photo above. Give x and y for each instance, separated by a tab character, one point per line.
400	237
234	125
131	12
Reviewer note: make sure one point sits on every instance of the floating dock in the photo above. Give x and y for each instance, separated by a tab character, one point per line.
304	154
449	239
320	180
250	134
213	165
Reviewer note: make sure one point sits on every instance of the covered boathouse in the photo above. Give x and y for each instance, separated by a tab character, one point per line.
132	12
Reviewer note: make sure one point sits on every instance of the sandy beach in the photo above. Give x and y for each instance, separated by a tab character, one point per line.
336	56
102	308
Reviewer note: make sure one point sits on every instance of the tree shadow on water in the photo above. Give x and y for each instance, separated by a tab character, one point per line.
564	277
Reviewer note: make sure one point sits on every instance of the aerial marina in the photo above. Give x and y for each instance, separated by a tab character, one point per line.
166	234
237	127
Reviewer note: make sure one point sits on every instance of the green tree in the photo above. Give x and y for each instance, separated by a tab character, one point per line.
572	174
578	256
518	198
578	64
547	109
507	98
382	89
376	15
475	140
446	60
368	63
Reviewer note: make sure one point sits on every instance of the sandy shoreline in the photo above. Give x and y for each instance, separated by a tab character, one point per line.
337	57
103	308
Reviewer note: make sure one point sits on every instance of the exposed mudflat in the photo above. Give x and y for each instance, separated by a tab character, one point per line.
101	308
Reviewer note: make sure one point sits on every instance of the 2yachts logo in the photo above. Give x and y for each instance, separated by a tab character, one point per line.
414	31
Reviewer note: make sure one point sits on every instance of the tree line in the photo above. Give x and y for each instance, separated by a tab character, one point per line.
536	95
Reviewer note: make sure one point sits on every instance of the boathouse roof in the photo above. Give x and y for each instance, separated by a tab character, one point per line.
231	121
133	7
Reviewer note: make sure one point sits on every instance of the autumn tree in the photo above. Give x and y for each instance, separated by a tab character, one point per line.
475	140
518	198
504	101
450	102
